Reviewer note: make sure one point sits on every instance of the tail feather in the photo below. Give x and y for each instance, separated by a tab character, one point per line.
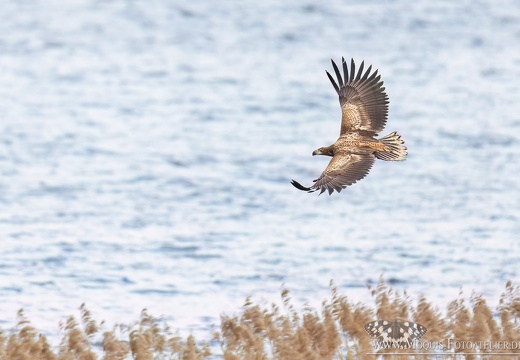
397	151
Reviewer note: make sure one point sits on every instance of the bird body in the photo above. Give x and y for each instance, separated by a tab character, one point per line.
357	142
364	107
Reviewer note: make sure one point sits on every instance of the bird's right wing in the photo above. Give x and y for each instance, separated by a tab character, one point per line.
364	103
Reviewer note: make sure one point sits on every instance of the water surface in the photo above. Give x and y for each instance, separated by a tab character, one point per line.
146	150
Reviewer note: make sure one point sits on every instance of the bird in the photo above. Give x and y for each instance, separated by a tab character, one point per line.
364	108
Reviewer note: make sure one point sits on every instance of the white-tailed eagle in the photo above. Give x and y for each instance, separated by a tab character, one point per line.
364	107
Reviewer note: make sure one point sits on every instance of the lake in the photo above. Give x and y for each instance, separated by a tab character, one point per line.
147	148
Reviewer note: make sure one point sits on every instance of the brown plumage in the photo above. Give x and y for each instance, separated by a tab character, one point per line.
364	108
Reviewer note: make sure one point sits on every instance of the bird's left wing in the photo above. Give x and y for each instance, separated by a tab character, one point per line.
343	170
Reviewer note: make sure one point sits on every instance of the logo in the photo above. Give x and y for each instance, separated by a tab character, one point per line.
394	334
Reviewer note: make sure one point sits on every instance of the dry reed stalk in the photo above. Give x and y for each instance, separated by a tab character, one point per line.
25	343
351	320
391	306
113	348
264	333
459	319
509	314
430	317
75	342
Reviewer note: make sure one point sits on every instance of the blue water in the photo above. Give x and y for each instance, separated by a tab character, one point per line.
146	150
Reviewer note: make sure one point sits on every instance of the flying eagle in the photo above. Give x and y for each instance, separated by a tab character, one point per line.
364	108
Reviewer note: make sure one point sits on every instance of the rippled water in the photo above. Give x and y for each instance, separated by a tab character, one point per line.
146	150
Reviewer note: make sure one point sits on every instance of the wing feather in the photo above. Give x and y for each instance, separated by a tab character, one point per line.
343	170
362	97
352	70
345	70
365	77
360	71
338	74
333	82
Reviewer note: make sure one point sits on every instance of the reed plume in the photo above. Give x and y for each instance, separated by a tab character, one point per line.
264	332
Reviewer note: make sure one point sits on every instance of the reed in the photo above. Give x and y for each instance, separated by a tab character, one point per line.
271	331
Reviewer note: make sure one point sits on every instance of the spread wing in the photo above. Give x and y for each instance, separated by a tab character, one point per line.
343	170
364	103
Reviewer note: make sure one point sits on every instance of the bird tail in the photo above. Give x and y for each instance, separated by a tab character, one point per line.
396	152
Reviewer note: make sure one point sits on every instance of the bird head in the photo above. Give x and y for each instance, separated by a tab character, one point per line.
323	151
